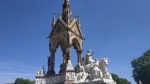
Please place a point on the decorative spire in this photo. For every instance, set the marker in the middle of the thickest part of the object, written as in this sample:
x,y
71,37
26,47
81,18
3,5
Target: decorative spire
x,y
54,21
78,20
66,13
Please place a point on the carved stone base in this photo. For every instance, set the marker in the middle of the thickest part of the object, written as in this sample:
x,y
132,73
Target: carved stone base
x,y
64,79
97,82
70,77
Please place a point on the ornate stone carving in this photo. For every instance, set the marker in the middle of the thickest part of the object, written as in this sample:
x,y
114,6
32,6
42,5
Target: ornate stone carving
x,y
69,66
93,72
41,73
96,72
70,76
103,66
96,69
50,80
65,33
88,58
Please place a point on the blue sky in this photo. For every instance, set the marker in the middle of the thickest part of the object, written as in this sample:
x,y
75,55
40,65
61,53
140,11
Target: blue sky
x,y
116,29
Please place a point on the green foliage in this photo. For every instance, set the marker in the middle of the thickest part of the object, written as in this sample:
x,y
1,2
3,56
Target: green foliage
x,y
23,81
141,68
76,68
120,80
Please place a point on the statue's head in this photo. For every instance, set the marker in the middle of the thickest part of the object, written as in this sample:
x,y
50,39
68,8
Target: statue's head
x,y
89,51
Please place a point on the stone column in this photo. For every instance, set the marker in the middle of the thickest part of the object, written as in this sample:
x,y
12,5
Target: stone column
x,y
68,56
79,53
63,65
49,63
52,63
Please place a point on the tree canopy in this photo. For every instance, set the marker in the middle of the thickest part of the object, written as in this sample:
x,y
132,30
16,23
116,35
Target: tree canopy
x,y
141,68
120,80
23,81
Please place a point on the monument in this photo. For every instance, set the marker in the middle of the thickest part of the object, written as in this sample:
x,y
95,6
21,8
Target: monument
x,y
66,33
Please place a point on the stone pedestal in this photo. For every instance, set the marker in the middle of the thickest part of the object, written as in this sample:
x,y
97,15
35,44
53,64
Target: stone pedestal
x,y
67,77
70,73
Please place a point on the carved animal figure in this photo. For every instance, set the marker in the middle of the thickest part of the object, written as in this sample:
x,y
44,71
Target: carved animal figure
x,y
103,64
96,73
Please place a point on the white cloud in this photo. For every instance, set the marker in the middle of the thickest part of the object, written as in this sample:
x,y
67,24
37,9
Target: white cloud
x,y
10,70
16,66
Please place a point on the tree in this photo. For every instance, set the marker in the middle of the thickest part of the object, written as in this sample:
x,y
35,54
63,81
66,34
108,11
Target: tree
x,y
76,68
120,80
141,68
23,81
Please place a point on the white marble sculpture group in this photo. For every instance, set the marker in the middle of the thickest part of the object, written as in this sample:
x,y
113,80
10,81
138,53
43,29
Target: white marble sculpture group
x,y
91,71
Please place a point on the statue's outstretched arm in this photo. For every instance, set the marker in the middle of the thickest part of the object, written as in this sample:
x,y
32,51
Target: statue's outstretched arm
x,y
92,53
